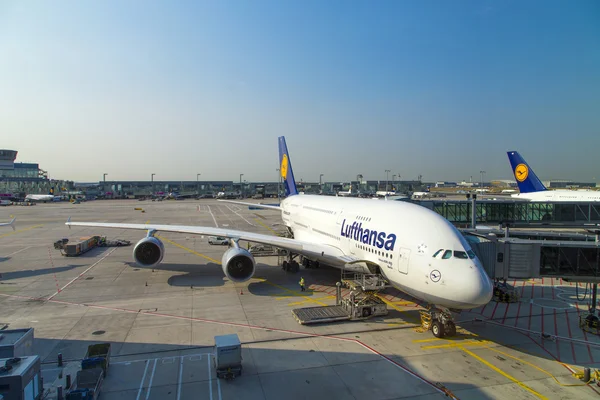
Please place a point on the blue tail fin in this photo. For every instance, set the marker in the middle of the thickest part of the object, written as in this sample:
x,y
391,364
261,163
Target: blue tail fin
x,y
285,168
526,179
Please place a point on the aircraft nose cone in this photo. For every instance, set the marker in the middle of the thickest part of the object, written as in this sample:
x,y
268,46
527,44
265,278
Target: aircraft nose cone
x,y
483,290
479,291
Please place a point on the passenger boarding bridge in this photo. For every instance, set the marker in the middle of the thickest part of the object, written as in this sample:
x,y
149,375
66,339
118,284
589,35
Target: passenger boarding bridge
x,y
499,211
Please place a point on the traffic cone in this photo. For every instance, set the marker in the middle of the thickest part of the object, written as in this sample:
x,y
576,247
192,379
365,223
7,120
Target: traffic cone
x,y
241,291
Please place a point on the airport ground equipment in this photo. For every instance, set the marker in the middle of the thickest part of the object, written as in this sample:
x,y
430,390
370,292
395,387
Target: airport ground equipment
x,y
73,249
265,250
228,356
94,368
590,322
87,385
20,377
361,303
97,355
504,292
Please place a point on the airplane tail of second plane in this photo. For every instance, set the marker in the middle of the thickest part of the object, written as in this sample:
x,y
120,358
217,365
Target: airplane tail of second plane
x,y
285,169
527,180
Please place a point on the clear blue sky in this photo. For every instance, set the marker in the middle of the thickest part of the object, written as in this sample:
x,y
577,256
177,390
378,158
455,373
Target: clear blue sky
x,y
438,88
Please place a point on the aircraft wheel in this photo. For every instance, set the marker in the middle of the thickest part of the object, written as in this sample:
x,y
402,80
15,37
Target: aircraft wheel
x,y
437,329
451,329
295,266
285,265
305,262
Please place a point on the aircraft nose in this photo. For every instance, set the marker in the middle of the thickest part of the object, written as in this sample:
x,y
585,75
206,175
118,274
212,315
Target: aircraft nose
x,y
481,291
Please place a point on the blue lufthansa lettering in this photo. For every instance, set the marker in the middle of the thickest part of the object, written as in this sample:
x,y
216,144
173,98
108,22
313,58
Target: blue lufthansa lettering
x,y
367,236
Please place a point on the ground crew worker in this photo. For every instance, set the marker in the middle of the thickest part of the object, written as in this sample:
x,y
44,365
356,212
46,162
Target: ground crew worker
x,y
302,284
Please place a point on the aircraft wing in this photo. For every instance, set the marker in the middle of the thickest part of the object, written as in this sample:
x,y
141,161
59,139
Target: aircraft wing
x,y
252,204
11,223
294,245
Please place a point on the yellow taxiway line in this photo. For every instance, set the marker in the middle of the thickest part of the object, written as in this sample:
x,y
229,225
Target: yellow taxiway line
x,y
395,307
20,230
265,226
498,370
293,292
189,250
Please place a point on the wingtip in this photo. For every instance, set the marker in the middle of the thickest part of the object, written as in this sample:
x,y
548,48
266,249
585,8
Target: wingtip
x,y
68,223
12,223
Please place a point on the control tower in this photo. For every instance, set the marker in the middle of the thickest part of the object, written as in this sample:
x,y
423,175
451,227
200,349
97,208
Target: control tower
x,y
7,159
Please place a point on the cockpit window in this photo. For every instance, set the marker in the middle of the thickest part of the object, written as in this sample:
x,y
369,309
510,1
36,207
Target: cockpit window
x,y
460,254
471,254
447,255
437,252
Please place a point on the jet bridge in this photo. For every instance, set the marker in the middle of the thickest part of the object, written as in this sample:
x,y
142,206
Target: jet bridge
x,y
517,258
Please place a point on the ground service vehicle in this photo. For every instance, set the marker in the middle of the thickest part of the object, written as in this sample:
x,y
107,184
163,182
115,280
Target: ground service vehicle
x,y
228,356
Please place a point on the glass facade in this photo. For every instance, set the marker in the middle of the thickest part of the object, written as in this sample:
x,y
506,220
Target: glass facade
x,y
497,212
22,171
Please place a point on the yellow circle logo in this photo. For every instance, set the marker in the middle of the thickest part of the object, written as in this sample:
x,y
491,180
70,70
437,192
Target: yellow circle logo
x,y
521,172
284,166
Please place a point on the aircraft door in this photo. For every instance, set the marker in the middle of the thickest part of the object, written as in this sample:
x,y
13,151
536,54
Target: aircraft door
x,y
402,260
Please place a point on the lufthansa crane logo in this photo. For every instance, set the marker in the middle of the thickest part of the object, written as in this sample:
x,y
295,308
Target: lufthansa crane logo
x,y
521,172
435,275
284,166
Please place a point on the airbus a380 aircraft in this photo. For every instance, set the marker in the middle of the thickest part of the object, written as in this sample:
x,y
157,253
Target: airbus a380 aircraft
x,y
418,251
532,188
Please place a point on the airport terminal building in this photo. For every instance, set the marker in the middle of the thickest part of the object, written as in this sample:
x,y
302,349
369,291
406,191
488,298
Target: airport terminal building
x,y
18,179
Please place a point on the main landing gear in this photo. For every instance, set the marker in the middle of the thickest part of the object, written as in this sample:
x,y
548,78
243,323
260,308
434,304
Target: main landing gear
x,y
439,320
289,264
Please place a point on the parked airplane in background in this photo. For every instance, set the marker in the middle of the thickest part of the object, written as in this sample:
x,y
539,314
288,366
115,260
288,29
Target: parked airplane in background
x,y
531,187
414,248
41,197
11,223
347,194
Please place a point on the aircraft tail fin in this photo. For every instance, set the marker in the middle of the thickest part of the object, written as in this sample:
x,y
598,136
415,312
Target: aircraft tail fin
x,y
527,180
285,169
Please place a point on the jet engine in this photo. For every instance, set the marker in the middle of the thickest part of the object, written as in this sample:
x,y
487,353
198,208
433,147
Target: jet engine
x,y
148,252
238,264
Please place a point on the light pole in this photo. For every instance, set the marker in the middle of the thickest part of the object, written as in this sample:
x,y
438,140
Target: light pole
x,y
278,184
197,184
387,178
393,181
241,188
104,183
321,183
482,173
152,183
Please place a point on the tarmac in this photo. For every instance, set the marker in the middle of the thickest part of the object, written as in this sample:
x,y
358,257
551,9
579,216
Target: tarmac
x,y
161,322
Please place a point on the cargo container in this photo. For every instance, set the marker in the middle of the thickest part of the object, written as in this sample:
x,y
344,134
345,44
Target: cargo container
x,y
98,355
87,385
228,356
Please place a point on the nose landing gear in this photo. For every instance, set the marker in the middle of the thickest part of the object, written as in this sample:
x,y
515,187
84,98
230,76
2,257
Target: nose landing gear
x,y
439,320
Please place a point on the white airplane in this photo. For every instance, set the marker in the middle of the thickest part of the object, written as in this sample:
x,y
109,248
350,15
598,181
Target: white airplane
x,y
345,194
415,249
11,223
531,187
39,197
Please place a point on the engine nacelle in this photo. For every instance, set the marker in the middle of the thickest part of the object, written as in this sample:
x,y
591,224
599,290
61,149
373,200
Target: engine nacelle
x,y
238,264
148,252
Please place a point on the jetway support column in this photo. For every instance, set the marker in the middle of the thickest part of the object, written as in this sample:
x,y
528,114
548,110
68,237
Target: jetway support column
x,y
594,293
